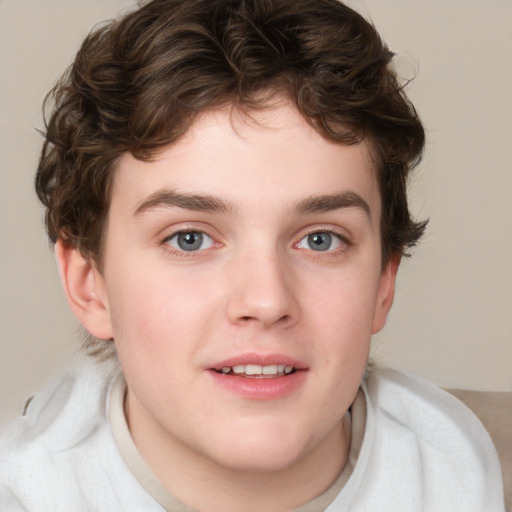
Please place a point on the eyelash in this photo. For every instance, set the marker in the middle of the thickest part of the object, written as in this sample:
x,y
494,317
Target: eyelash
x,y
344,241
182,252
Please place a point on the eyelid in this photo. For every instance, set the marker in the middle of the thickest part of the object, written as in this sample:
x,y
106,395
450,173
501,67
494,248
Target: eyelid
x,y
180,231
342,234
172,231
344,240
210,242
186,227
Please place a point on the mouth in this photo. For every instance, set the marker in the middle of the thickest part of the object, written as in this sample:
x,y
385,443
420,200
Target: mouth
x,y
256,371
250,380
260,376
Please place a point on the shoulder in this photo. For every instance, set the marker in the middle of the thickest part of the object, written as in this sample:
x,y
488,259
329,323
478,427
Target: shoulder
x,y
438,439
431,414
423,450
50,417
42,452
420,404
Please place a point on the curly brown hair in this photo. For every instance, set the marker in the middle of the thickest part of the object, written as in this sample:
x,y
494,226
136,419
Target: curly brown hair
x,y
138,83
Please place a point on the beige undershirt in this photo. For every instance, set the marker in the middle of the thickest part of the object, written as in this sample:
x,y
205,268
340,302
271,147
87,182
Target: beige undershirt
x,y
142,472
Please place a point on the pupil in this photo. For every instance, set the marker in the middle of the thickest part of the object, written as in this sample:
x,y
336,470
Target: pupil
x,y
190,241
320,241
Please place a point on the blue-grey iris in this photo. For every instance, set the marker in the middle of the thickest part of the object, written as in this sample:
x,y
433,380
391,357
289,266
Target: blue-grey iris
x,y
190,241
320,241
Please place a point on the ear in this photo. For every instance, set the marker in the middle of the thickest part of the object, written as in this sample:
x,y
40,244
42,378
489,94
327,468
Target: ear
x,y
85,290
385,293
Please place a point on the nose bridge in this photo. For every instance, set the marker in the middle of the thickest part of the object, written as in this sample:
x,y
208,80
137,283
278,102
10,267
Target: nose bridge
x,y
263,287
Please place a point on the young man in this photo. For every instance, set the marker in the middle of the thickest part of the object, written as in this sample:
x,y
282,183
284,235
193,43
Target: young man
x,y
225,189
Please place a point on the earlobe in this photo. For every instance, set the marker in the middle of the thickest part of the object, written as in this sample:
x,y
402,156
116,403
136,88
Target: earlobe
x,y
85,290
385,294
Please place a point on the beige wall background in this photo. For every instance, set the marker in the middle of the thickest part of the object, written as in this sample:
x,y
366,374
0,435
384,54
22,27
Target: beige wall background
x,y
452,319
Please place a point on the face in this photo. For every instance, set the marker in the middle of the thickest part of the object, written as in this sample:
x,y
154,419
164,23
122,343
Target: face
x,y
242,281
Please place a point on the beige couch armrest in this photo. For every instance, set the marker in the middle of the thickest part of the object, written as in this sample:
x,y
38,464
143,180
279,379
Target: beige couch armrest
x,y
494,409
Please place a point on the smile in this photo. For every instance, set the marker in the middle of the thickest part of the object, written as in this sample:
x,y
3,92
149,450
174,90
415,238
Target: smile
x,y
256,376
258,371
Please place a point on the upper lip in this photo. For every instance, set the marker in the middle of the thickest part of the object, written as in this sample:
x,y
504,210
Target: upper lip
x,y
259,359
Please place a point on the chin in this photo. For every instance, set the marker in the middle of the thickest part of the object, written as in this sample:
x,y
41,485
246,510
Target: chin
x,y
256,462
261,450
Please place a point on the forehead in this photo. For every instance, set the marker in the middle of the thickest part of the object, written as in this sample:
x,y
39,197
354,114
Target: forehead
x,y
272,156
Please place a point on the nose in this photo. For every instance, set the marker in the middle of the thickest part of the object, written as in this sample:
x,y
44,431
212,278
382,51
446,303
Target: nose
x,y
263,291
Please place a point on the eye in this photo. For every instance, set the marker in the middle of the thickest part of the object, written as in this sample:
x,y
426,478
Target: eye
x,y
320,241
190,241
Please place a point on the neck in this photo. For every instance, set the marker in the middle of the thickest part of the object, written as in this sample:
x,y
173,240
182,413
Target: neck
x,y
204,484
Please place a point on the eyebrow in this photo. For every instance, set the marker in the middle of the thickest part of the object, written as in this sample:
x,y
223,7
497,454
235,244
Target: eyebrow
x,y
207,203
328,202
195,202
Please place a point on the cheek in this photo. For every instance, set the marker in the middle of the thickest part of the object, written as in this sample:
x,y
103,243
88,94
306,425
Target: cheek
x,y
153,336
345,303
153,313
342,315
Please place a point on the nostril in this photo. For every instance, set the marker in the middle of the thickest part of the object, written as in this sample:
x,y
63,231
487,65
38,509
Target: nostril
x,y
249,318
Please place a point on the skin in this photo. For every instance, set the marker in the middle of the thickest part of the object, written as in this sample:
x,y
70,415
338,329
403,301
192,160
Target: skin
x,y
258,285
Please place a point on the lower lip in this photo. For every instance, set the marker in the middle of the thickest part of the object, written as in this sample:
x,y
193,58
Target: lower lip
x,y
260,388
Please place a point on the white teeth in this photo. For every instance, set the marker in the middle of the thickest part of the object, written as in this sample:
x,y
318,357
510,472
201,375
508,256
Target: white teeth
x,y
253,369
256,369
270,370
